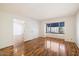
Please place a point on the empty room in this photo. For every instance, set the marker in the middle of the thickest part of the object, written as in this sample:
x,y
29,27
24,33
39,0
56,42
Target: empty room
x,y
39,29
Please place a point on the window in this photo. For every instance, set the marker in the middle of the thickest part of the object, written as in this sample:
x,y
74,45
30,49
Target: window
x,y
17,27
57,28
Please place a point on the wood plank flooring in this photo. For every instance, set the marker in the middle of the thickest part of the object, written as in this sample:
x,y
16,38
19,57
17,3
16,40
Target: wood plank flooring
x,y
8,51
43,46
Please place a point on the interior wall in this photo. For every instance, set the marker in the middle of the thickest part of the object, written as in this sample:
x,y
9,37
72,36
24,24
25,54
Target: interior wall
x,y
6,29
69,30
31,29
77,29
6,36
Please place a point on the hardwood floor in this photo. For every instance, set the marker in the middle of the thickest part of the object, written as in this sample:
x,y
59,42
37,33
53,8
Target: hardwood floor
x,y
43,47
72,49
8,51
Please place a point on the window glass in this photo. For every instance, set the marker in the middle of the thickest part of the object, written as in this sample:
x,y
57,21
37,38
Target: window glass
x,y
18,27
57,27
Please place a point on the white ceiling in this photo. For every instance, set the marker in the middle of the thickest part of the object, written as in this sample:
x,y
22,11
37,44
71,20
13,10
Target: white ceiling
x,y
41,11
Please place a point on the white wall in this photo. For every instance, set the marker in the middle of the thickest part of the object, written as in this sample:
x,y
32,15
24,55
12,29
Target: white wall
x,y
6,29
77,29
6,37
69,29
31,29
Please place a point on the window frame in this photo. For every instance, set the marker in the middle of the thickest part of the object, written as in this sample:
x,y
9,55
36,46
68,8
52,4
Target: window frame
x,y
60,26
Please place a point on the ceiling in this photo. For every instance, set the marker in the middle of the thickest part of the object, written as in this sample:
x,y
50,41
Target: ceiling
x,y
40,11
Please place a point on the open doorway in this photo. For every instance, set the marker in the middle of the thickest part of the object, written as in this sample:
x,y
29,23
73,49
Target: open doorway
x,y
18,31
